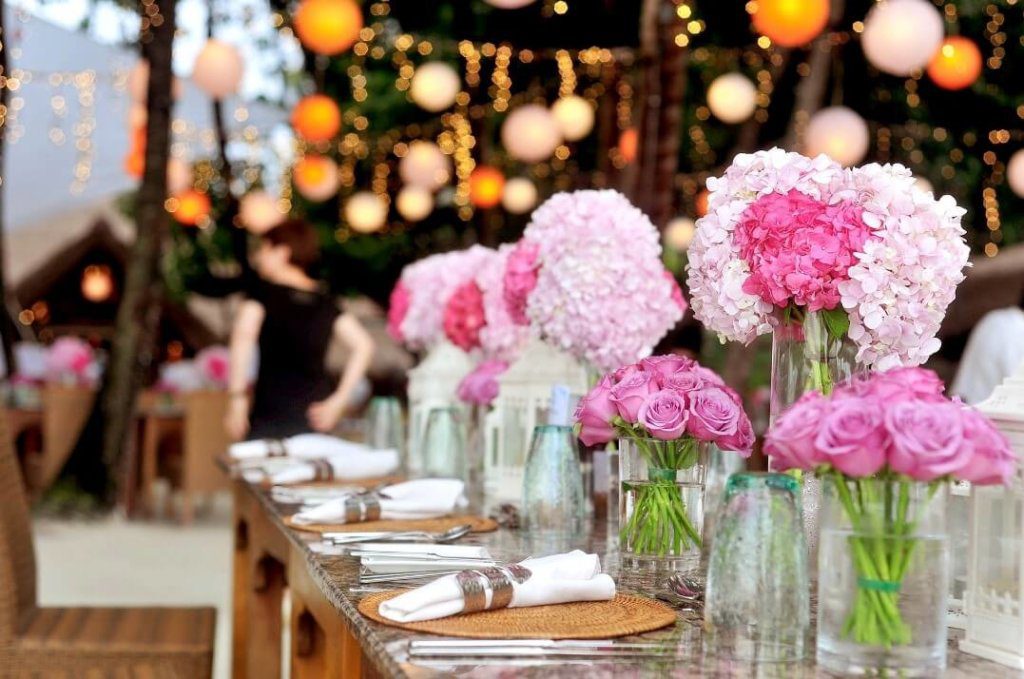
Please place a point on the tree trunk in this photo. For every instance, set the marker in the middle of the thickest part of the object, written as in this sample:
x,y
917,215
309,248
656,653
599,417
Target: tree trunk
x,y
810,92
142,288
8,332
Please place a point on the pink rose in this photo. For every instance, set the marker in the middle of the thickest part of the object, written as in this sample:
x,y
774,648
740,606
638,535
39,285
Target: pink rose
x,y
214,365
520,279
790,441
684,382
742,441
852,437
664,415
898,384
991,461
927,439
625,371
708,375
398,307
595,413
663,366
631,392
481,387
714,415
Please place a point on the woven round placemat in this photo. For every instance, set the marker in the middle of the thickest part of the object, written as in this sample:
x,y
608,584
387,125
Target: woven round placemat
x,y
479,524
340,483
622,616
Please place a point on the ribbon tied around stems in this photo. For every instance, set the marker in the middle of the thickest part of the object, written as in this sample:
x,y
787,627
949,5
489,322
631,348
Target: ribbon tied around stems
x,y
872,584
498,580
276,448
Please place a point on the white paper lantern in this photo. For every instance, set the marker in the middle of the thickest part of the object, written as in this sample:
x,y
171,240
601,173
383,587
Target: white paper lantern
x,y
425,165
901,36
366,212
138,83
839,133
434,86
519,195
1015,173
679,233
414,203
575,116
732,98
218,69
531,133
509,4
179,175
259,212
923,185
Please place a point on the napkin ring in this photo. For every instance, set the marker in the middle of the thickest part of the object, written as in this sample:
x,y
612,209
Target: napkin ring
x,y
322,470
276,448
362,508
475,583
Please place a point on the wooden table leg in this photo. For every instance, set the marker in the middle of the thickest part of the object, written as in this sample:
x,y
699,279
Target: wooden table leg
x,y
268,554
150,449
321,645
241,585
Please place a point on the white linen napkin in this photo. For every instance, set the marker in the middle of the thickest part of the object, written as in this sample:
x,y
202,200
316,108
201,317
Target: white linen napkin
x,y
420,499
352,466
556,579
303,446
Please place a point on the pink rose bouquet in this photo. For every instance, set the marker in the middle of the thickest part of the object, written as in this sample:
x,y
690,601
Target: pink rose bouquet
x,y
787,236
480,387
588,276
214,364
873,440
72,360
667,406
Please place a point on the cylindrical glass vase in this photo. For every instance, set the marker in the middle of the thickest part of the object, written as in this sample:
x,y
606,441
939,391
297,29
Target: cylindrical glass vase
x,y
661,507
882,577
444,444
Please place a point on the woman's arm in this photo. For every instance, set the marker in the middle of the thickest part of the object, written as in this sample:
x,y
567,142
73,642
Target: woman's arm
x,y
324,416
244,335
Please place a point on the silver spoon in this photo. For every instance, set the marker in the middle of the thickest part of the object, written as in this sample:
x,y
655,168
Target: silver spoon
x,y
687,588
449,535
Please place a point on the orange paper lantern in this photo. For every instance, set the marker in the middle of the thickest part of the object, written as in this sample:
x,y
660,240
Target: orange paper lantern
x,y
956,65
328,26
791,23
701,203
315,177
486,185
189,207
629,144
316,118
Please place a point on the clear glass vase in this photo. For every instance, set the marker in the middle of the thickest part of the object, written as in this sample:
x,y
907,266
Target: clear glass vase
x,y
385,424
553,498
444,444
661,507
882,577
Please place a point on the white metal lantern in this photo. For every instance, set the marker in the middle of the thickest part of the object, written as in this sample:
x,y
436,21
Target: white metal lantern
x,y
432,384
523,401
994,601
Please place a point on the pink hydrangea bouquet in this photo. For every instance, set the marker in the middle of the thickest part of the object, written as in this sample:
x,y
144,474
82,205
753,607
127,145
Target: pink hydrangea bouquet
x,y
786,237
667,407
214,364
72,360
588,276
885,444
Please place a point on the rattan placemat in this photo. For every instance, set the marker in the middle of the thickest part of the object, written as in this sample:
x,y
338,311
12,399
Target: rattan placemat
x,y
341,483
622,616
478,524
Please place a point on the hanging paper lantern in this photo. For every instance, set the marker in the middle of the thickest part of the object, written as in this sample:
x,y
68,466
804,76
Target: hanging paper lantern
x,y
316,118
179,175
189,207
956,65
732,98
218,69
434,86
97,283
700,203
509,4
315,177
486,185
366,212
839,133
414,203
138,84
791,23
629,144
923,185
1015,173
679,233
901,36
530,133
425,165
259,212
519,196
328,26
575,116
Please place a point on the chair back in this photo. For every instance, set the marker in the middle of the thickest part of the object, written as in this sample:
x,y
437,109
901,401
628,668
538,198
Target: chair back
x,y
204,439
17,555
65,412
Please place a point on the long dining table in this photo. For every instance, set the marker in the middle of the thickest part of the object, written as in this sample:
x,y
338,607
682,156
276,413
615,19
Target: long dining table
x,y
328,637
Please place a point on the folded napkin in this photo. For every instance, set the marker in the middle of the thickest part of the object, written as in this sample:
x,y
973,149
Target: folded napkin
x,y
303,446
351,466
421,499
556,579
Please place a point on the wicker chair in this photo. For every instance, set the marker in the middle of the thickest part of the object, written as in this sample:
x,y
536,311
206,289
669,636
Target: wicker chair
x,y
176,643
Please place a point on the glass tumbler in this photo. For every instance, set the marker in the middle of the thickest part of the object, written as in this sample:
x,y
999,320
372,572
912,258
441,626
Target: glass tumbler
x,y
757,602
385,426
443,446
553,498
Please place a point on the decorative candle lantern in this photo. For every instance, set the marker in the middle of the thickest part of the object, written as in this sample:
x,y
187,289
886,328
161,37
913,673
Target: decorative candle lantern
x,y
432,384
994,601
523,402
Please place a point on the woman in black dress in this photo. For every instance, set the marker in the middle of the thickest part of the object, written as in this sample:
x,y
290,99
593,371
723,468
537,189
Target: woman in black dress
x,y
292,319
